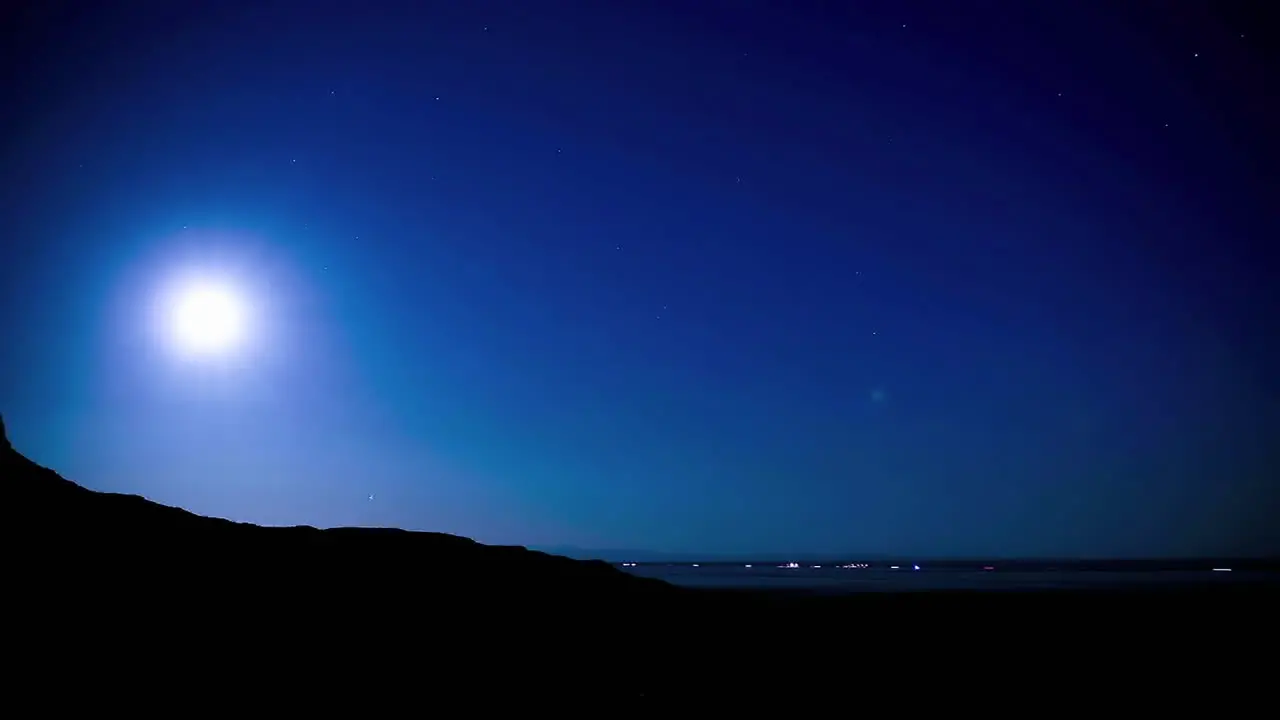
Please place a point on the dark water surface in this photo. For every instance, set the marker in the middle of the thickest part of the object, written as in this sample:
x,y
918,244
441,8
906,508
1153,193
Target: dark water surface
x,y
873,578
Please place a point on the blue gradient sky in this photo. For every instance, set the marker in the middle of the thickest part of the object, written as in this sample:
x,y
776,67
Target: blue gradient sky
x,y
890,277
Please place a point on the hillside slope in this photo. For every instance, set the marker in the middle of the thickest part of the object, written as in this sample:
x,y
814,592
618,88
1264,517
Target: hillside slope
x,y
74,535
117,594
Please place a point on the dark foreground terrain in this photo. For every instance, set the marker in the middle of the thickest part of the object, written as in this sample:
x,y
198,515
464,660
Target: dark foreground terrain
x,y
113,596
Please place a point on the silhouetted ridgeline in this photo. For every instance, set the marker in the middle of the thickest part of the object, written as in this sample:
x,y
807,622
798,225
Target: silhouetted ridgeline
x,y
101,582
108,537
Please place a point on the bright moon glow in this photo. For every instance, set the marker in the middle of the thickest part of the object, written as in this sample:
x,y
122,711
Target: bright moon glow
x,y
207,319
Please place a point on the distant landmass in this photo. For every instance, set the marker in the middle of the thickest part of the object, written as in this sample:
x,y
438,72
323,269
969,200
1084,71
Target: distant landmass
x,y
616,556
622,556
658,556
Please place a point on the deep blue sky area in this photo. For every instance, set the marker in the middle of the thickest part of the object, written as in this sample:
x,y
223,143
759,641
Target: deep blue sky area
x,y
943,278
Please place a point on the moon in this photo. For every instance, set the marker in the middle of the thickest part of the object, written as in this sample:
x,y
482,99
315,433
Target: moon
x,y
207,319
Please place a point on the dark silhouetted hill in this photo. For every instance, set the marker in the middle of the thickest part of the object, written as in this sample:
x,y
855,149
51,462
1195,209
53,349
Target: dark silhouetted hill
x,y
111,585
109,593
112,537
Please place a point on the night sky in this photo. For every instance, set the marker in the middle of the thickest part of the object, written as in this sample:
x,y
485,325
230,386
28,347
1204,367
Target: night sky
x,y
942,278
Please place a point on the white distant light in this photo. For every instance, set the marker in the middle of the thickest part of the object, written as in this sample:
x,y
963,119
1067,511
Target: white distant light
x,y
1222,569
